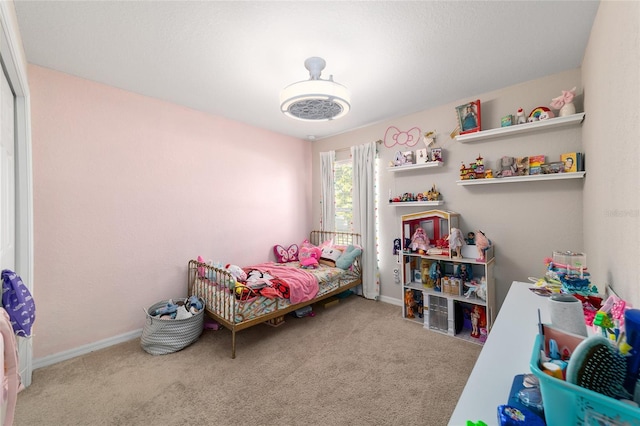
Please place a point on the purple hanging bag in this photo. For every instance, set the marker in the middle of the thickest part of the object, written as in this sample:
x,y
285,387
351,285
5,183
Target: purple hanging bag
x,y
18,302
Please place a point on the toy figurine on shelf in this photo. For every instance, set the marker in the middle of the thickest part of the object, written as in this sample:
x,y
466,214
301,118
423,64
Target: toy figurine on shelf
x,y
477,319
419,241
478,168
471,238
409,303
433,194
463,271
419,304
435,273
455,243
482,243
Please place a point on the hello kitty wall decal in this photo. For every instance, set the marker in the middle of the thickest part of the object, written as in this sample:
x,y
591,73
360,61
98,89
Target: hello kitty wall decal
x,y
394,136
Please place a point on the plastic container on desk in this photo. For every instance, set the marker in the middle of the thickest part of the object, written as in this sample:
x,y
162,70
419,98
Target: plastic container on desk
x,y
569,404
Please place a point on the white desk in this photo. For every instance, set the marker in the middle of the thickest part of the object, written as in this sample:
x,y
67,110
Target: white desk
x,y
506,353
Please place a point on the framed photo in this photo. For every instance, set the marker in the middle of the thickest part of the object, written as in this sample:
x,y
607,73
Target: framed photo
x,y
408,157
469,117
421,156
436,154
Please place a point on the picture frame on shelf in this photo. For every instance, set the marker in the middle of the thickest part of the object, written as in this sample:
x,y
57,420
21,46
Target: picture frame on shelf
x,y
469,117
436,154
422,156
408,157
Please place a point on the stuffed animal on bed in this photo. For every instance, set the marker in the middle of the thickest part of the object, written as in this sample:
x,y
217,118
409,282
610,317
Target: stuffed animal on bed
x,y
347,257
236,272
309,256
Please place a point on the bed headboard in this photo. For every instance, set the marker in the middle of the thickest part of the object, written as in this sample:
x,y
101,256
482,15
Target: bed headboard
x,y
340,238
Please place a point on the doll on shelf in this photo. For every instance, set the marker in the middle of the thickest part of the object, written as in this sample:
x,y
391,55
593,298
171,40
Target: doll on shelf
x,y
409,303
471,238
463,271
419,241
482,243
477,319
455,243
435,273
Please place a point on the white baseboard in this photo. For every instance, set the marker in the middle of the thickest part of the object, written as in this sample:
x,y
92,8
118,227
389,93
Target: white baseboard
x,y
85,349
391,300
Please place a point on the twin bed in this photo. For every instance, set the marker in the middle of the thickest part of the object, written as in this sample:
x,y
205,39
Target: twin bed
x,y
272,289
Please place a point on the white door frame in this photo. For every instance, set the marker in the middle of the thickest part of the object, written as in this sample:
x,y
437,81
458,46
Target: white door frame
x,y
14,64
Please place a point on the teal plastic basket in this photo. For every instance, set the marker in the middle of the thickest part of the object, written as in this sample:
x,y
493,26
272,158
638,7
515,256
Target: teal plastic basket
x,y
568,404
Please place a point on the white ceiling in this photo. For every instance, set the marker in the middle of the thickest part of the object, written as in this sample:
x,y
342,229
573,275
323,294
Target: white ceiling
x,y
233,58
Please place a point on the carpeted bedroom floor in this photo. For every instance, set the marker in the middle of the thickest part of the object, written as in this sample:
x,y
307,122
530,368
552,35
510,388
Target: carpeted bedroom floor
x,y
354,363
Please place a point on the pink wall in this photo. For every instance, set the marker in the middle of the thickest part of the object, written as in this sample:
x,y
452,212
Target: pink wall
x,y
127,189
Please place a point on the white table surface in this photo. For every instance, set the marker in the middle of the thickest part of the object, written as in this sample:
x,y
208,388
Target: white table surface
x,y
505,354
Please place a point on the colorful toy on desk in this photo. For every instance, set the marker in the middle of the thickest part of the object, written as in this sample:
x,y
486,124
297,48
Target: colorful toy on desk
x,y
603,321
512,416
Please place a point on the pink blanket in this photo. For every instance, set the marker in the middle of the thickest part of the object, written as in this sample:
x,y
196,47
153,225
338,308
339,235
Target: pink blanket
x,y
303,286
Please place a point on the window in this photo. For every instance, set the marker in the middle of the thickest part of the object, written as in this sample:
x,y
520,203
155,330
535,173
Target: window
x,y
343,184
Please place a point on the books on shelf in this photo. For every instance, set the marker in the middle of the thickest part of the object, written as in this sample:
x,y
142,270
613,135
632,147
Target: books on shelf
x,y
573,161
570,161
535,164
522,166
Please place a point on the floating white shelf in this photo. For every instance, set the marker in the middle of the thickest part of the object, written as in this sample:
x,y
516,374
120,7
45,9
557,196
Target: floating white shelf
x,y
417,203
416,166
570,120
551,176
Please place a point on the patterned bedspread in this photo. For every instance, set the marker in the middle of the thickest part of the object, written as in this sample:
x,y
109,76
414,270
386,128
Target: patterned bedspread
x,y
288,280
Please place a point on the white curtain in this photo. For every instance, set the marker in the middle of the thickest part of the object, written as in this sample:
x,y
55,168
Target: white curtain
x,y
364,215
328,207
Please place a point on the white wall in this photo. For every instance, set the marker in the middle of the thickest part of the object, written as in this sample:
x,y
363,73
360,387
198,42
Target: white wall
x,y
611,77
526,221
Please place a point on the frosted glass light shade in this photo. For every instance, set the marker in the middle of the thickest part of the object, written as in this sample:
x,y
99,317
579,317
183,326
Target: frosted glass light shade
x,y
315,100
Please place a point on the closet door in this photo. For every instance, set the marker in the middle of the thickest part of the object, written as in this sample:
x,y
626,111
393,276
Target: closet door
x,y
7,178
8,193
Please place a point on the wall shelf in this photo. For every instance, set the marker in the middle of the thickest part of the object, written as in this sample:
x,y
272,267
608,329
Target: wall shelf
x,y
417,203
570,120
552,176
416,166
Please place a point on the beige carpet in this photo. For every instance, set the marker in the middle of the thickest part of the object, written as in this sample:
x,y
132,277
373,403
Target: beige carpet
x,y
355,363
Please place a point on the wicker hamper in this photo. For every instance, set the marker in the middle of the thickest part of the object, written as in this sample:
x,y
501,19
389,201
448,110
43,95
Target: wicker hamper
x,y
165,336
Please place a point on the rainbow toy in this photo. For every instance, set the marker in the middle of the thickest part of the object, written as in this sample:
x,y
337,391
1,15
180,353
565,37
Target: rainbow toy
x,y
539,110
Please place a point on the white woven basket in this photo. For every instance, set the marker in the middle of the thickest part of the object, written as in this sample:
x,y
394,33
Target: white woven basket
x,y
165,336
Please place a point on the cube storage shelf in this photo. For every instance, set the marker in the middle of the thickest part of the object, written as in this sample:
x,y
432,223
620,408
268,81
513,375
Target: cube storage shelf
x,y
448,308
